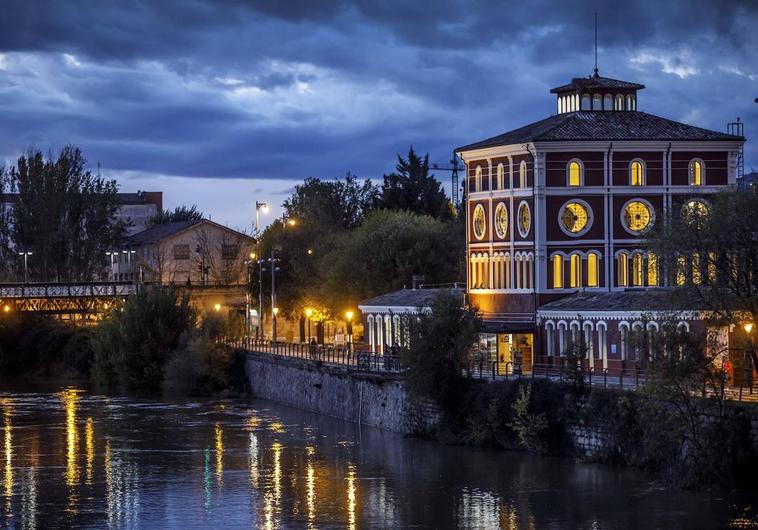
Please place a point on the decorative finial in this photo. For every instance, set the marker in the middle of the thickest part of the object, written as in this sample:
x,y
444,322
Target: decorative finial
x,y
596,74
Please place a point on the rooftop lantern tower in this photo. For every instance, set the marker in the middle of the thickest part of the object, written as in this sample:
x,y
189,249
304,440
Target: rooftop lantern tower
x,y
595,93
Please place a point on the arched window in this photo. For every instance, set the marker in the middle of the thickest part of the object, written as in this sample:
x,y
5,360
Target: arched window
x,y
557,271
379,340
619,102
500,176
629,102
589,343
529,271
637,176
638,270
370,324
622,269
593,272
602,343
597,102
697,172
586,102
485,271
681,270
561,338
549,338
576,271
388,330
474,279
652,270
697,275
608,102
522,175
575,175
478,179
624,332
396,326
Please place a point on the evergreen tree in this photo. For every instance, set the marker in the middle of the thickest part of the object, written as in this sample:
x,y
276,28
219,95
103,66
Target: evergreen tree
x,y
412,188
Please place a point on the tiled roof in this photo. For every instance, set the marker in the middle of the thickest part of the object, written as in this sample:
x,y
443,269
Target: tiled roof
x,y
609,125
628,300
409,298
158,232
595,81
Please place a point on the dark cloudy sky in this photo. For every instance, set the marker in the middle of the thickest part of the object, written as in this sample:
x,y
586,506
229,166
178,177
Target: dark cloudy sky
x,y
222,102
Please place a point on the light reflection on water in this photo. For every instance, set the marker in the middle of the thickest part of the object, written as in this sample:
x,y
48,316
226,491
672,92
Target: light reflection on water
x,y
72,459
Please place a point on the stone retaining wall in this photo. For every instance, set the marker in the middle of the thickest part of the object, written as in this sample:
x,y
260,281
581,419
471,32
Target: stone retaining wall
x,y
379,400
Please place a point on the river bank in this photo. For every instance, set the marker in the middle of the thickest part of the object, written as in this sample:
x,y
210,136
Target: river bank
x,y
77,459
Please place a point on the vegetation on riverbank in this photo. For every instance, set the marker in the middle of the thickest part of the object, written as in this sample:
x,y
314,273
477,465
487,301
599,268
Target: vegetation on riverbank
x,y
667,427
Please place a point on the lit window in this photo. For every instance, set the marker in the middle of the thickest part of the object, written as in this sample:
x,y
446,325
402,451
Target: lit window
x,y
478,222
696,173
576,270
636,173
524,219
623,270
681,270
637,270
575,218
637,216
557,272
697,276
501,220
652,270
500,176
593,279
574,173
522,174
695,212
711,267
478,179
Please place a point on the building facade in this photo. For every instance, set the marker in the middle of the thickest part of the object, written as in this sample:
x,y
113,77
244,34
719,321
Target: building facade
x,y
562,206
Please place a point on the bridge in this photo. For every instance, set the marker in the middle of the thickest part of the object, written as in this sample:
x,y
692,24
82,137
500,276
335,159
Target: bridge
x,y
84,299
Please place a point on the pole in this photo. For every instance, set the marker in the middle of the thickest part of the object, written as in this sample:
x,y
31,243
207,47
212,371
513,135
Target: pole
x,y
273,294
260,297
26,268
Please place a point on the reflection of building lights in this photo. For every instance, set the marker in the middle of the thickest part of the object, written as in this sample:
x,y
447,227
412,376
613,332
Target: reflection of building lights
x,y
219,453
351,497
89,444
70,398
8,450
253,449
311,488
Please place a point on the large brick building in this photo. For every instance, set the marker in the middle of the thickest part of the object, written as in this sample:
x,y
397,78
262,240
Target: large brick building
x,y
557,213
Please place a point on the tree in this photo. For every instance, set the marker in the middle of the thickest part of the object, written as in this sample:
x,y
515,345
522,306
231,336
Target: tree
x,y
386,251
710,251
64,215
332,203
412,188
440,344
180,213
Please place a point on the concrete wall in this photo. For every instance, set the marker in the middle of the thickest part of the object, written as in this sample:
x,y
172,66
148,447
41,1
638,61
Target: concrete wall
x,y
371,399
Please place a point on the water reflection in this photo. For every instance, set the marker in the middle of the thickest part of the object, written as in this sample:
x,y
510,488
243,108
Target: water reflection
x,y
234,464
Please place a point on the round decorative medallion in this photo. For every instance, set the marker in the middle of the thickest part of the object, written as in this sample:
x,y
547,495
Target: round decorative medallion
x,y
501,220
524,219
478,222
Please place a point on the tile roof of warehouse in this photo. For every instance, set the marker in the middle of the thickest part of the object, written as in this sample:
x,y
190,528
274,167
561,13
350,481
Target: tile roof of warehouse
x,y
628,300
159,232
409,298
610,125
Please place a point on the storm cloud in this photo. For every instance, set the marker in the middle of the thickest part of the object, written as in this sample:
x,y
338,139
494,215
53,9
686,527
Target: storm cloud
x,y
186,93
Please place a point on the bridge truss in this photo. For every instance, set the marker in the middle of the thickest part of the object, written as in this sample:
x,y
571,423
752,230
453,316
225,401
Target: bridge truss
x,y
64,299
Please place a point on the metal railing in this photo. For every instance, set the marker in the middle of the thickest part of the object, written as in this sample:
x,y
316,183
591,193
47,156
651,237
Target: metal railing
x,y
344,356
66,290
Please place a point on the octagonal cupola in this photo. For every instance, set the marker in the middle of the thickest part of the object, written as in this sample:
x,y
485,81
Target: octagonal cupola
x,y
596,93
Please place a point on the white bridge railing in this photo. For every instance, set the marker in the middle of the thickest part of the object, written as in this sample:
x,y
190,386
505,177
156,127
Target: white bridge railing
x,y
66,290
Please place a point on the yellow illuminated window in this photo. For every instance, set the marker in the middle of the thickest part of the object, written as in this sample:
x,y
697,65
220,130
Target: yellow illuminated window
x,y
637,176
681,270
637,216
637,270
478,222
576,270
500,176
575,173
592,271
623,270
557,272
712,267
696,173
652,270
697,275
575,217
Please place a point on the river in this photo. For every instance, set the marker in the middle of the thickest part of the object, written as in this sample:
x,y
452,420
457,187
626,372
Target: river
x,y
74,459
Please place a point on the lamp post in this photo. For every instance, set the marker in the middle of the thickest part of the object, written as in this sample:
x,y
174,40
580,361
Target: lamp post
x,y
309,314
129,253
248,295
274,312
26,255
349,315
272,263
259,206
749,353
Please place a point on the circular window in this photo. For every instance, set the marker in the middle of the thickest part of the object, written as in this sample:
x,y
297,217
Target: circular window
x,y
695,212
575,218
478,222
501,220
637,216
524,219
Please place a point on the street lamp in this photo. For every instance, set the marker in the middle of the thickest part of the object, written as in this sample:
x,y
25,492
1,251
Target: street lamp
x,y
349,315
259,207
26,264
309,314
750,354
